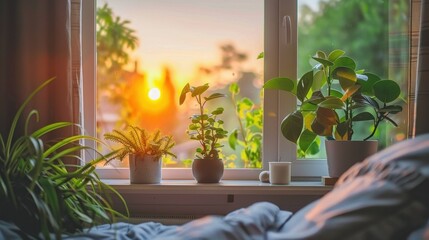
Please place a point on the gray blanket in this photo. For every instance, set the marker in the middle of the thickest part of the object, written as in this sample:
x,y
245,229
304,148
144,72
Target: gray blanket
x,y
254,222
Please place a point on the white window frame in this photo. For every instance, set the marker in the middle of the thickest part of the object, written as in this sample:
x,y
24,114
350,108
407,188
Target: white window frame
x,y
280,47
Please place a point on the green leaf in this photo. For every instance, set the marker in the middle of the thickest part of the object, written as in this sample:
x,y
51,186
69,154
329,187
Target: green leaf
x,y
291,126
199,90
363,116
336,93
306,106
232,140
346,76
260,55
386,90
284,84
234,89
306,139
332,103
304,85
319,80
193,127
392,109
214,96
218,111
391,121
185,90
345,62
323,61
320,54
367,85
334,55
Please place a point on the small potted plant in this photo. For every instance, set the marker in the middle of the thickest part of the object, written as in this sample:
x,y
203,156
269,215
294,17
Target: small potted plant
x,y
145,151
207,129
332,97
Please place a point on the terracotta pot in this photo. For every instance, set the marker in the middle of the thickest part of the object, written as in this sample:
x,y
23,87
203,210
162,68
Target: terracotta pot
x,y
207,170
344,154
145,168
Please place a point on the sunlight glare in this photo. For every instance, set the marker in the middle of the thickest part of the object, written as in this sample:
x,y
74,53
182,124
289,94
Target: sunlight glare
x,y
154,93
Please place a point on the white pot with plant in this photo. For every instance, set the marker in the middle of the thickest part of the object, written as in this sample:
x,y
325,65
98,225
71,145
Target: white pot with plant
x,y
333,96
144,150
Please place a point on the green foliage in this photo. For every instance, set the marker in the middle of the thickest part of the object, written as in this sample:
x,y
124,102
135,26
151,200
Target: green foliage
x,y
205,127
331,107
135,140
41,194
358,24
249,134
114,40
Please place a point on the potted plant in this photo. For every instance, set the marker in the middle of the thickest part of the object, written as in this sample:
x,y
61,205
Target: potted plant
x,y
207,129
332,97
39,193
144,150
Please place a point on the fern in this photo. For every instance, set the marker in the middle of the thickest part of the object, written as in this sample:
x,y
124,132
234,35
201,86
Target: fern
x,y
135,140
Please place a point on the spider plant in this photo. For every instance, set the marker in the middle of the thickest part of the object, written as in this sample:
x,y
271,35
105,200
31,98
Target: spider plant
x,y
38,191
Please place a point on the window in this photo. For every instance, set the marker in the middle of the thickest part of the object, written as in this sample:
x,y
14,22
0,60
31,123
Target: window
x,y
290,34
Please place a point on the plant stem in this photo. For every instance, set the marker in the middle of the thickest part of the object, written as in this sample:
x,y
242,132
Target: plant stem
x,y
380,118
198,97
329,82
240,124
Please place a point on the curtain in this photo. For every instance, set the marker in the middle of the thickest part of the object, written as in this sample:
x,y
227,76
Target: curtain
x,y
422,90
39,40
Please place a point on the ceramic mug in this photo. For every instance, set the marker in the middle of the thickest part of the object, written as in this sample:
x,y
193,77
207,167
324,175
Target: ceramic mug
x,y
280,172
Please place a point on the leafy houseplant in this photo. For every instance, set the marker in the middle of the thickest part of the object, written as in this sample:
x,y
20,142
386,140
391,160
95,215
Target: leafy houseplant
x,y
207,129
144,150
38,193
332,97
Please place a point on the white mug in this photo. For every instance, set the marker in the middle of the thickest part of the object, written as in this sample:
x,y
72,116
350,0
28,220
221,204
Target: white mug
x,y
280,172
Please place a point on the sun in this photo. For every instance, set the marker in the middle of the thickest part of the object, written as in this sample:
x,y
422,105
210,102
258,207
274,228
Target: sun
x,y
154,94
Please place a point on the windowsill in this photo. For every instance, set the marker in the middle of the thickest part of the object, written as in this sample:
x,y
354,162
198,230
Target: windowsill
x,y
188,199
224,187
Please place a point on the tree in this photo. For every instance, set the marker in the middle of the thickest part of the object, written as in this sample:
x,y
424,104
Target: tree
x,y
357,26
114,42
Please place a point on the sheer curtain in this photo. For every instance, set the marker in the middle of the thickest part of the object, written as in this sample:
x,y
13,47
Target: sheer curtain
x,y
422,89
40,40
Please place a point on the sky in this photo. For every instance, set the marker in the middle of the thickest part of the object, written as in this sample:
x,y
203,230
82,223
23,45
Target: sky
x,y
184,34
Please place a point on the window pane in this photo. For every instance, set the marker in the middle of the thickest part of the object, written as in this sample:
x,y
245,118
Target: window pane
x,y
148,50
374,33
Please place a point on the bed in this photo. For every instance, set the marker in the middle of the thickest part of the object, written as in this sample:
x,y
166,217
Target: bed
x,y
384,197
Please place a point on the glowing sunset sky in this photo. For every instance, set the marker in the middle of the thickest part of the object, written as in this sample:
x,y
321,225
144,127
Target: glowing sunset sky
x,y
184,34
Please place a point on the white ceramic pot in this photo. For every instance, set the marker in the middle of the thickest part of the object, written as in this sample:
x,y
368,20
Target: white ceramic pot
x,y
145,169
341,155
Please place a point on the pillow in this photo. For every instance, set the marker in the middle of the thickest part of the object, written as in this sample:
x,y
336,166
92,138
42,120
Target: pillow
x,y
384,197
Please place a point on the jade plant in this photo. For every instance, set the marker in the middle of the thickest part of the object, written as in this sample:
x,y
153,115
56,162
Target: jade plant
x,y
205,127
332,96
138,141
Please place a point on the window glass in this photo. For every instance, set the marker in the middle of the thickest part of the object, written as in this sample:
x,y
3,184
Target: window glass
x,y
148,50
375,34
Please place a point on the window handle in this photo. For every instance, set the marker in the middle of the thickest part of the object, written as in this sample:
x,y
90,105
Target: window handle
x,y
287,28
